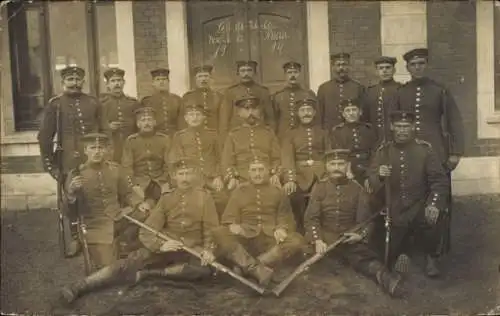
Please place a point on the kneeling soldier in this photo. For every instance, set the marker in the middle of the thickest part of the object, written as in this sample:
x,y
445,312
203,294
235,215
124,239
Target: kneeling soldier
x,y
258,217
188,216
336,205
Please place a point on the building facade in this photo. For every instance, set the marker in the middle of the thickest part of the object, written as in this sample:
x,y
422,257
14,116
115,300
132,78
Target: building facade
x,y
39,38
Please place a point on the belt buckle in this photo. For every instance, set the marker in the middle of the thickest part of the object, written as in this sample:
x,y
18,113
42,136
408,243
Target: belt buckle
x,y
310,162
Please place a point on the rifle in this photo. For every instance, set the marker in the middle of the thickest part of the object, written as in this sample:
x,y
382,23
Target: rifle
x,y
216,265
316,257
387,213
445,240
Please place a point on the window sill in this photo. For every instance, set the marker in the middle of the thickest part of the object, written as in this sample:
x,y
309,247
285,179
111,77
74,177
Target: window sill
x,y
28,137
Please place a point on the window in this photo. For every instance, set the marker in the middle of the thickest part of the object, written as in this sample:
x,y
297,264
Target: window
x,y
29,62
497,54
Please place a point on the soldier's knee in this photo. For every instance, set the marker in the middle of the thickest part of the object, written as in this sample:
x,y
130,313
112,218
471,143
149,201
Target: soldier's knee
x,y
294,241
221,233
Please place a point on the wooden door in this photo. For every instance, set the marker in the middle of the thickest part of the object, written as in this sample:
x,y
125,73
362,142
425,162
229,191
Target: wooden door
x,y
271,33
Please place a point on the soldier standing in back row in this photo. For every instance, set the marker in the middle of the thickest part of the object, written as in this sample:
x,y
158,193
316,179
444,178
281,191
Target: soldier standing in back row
x,y
78,114
204,95
166,105
117,111
229,119
433,104
285,100
332,92
379,99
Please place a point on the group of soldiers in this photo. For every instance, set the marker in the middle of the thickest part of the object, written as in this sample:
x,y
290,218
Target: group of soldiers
x,y
254,179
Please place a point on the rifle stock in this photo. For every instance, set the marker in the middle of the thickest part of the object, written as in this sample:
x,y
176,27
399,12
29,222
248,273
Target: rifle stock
x,y
216,265
387,215
316,257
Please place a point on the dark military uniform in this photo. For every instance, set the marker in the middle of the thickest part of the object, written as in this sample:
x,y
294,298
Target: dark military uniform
x,y
211,101
284,103
335,206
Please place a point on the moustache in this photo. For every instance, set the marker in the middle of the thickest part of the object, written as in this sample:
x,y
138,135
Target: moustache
x,y
293,78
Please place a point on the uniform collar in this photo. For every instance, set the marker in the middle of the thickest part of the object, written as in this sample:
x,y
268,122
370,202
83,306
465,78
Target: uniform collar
x,y
195,129
387,82
293,87
95,166
147,134
247,84
203,89
420,81
342,80
339,181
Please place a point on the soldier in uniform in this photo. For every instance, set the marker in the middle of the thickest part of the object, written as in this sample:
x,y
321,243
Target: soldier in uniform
x,y
247,141
419,191
145,162
337,204
167,105
380,98
204,95
433,104
117,111
258,221
78,114
188,216
285,100
302,156
246,71
356,136
102,186
332,92
200,144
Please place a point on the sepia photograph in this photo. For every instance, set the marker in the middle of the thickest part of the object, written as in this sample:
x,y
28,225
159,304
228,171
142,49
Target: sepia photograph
x,y
250,157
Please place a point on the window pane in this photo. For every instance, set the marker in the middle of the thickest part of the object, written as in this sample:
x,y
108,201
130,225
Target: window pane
x,y
497,55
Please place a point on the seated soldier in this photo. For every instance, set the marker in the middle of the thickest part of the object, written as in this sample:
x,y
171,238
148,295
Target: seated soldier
x,y
258,217
337,204
188,216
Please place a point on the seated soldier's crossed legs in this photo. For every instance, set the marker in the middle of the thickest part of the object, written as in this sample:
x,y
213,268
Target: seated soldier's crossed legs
x,y
102,255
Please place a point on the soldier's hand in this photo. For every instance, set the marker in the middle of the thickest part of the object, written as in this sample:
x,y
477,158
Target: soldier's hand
x,y
54,173
207,257
290,187
236,229
171,245
452,162
352,238
165,188
75,184
233,183
275,180
115,125
217,184
320,246
280,235
144,207
124,211
431,214
384,171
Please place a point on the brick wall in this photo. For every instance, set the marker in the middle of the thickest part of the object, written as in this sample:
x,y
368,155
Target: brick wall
x,y
355,28
452,46
150,41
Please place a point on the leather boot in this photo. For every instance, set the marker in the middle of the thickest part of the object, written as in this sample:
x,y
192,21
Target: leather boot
x,y
431,268
73,246
70,293
250,265
183,271
390,283
402,264
271,257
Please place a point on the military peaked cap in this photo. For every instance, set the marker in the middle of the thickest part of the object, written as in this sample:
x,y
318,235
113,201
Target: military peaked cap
x,y
257,159
145,110
250,63
308,101
417,52
203,68
72,70
247,101
385,60
110,72
160,72
339,56
402,116
194,106
183,163
95,137
292,65
337,154
349,102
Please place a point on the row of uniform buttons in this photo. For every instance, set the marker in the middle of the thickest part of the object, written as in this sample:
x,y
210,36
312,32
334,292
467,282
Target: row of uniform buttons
x,y
404,195
380,108
309,146
259,207
200,152
417,107
291,123
205,106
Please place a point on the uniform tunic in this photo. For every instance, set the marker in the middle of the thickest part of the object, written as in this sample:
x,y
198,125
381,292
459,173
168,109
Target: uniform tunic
x,y
285,107
330,94
118,108
167,108
244,144
379,100
211,101
428,100
79,114
145,159
229,118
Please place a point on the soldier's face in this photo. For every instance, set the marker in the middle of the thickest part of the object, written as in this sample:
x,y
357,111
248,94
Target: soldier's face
x,y
292,76
146,123
184,177
203,79
161,83
96,152
258,173
351,114
386,71
306,114
336,168
194,118
249,114
417,67
246,73
341,68
403,131
115,84
72,83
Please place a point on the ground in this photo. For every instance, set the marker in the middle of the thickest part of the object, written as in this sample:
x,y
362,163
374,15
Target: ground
x,y
32,273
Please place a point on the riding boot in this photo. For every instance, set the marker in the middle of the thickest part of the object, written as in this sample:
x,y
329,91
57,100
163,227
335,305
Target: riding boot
x,y
389,282
185,271
250,265
100,278
431,268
